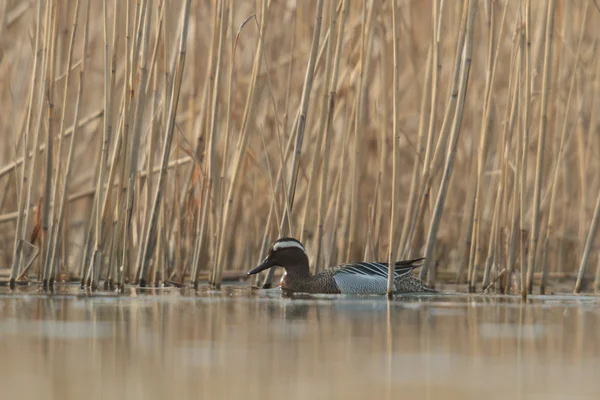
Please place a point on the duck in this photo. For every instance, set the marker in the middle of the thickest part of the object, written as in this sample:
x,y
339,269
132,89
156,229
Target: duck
x,y
355,278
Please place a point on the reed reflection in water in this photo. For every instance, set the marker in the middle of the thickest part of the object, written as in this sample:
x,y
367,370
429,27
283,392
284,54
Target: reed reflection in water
x,y
247,345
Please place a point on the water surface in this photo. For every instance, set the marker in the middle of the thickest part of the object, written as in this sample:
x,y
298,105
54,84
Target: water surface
x,y
242,344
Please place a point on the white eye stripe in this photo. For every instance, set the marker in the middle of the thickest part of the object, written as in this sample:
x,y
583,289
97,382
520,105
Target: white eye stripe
x,y
287,244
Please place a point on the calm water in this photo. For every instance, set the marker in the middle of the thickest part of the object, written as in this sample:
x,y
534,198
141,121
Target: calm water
x,y
238,344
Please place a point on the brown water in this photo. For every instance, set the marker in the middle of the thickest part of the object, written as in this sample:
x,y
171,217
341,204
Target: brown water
x,y
237,344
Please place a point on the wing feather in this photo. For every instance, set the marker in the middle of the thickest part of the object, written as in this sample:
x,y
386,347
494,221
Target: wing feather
x,y
379,269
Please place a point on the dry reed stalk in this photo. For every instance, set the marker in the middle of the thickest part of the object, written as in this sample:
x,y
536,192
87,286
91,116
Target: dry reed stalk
x,y
426,180
59,219
284,156
149,240
107,198
539,170
510,122
227,130
381,173
204,123
52,213
154,129
525,126
393,217
468,225
129,148
144,26
419,156
500,207
50,132
22,203
324,108
97,254
475,252
453,140
563,137
303,110
355,198
241,147
337,208
589,244
209,191
331,103
432,74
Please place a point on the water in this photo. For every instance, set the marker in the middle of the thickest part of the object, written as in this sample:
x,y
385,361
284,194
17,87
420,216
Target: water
x,y
238,344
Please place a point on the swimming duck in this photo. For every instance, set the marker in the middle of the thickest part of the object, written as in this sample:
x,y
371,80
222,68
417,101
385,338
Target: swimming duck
x,y
353,278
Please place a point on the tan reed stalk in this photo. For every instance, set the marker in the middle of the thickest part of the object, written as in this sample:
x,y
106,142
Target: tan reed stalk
x,y
87,249
474,251
52,213
318,156
491,256
50,132
559,157
355,199
303,110
227,129
597,276
453,140
331,103
145,26
107,198
500,207
391,248
418,161
337,208
154,128
96,259
382,151
220,184
432,74
205,124
589,244
539,170
583,152
22,203
468,225
131,128
284,156
593,116
149,240
483,135
210,192
241,147
525,126
417,217
510,122
59,220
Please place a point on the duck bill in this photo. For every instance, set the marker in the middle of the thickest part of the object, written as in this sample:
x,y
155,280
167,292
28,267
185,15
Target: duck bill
x,y
266,264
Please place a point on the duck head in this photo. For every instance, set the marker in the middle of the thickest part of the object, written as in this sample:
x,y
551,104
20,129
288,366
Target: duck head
x,y
288,253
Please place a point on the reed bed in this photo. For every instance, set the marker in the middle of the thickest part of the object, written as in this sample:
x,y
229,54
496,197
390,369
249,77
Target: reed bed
x,y
168,142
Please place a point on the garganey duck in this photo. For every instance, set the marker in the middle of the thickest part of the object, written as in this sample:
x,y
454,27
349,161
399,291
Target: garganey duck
x,y
353,278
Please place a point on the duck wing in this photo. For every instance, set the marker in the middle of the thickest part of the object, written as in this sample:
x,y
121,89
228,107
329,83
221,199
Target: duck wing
x,y
378,269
